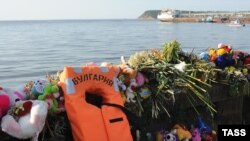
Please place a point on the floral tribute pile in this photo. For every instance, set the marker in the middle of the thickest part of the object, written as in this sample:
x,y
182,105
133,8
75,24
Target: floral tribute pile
x,y
149,86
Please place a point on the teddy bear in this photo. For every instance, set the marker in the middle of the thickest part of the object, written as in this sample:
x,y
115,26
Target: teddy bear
x,y
27,119
9,96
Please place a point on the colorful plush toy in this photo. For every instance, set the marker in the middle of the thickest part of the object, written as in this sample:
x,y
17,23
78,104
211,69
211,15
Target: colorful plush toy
x,y
130,80
121,85
160,136
171,137
127,71
166,136
207,134
182,132
226,47
31,116
205,56
4,105
130,93
223,60
8,97
50,95
213,55
202,126
38,87
196,136
144,92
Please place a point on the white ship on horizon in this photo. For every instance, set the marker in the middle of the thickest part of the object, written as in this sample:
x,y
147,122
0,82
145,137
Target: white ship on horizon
x,y
167,15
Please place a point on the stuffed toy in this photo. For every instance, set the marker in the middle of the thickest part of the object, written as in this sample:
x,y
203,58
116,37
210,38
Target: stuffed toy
x,y
145,92
166,136
242,57
182,132
202,126
130,91
213,55
140,79
209,136
205,56
9,96
121,85
161,135
171,137
223,60
127,71
226,47
4,105
38,87
196,136
27,120
129,80
50,95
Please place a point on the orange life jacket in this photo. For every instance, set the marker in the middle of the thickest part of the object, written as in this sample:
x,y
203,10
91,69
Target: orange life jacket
x,y
88,122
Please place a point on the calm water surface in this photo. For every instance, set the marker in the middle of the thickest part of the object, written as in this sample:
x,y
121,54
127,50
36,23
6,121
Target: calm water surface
x,y
30,49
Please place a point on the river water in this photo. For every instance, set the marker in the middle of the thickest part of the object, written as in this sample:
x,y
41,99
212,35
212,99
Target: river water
x,y
31,49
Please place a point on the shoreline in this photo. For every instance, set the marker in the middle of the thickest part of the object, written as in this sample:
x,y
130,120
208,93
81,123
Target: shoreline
x,y
197,20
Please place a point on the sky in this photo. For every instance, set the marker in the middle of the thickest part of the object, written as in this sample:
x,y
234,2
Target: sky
x,y
105,9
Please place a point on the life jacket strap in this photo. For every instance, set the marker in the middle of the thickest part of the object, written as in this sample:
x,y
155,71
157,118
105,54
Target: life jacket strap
x,y
134,120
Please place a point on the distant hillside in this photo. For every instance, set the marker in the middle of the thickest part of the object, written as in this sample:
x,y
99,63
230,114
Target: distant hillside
x,y
150,14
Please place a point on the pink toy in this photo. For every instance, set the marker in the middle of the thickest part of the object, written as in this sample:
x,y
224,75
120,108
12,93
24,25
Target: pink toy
x,y
8,97
4,105
140,80
30,123
196,136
